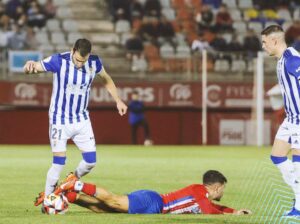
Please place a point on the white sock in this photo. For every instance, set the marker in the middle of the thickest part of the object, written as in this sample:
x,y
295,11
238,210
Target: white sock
x,y
289,175
297,193
84,168
288,172
297,169
52,178
78,186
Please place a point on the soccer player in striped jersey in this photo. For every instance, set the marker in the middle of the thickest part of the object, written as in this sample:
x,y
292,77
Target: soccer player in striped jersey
x,y
73,74
288,135
193,199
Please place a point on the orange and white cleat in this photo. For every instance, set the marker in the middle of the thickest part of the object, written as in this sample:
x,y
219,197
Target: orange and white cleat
x,y
39,199
64,187
69,177
67,184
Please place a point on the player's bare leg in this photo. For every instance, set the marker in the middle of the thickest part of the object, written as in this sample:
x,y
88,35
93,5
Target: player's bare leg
x,y
280,148
119,203
93,204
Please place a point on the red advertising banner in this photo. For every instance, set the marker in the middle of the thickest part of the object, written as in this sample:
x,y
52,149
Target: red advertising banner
x,y
220,95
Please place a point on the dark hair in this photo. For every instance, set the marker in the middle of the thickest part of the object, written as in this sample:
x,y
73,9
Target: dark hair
x,y
213,176
134,92
84,47
271,29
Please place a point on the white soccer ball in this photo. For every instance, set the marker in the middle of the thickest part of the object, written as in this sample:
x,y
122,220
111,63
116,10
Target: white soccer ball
x,y
56,204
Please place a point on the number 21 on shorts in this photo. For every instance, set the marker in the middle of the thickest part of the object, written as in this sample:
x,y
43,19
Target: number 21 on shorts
x,y
56,133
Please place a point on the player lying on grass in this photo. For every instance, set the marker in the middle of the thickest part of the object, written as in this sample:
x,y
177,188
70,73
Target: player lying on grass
x,y
196,198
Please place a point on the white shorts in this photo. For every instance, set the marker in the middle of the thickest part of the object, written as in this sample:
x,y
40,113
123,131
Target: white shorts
x,y
81,133
289,133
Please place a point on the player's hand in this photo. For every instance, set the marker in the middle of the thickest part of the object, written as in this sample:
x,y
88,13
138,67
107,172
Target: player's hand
x,y
243,212
122,108
29,67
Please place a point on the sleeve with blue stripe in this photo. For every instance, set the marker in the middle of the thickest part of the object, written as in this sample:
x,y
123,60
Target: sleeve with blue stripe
x,y
293,66
52,63
98,65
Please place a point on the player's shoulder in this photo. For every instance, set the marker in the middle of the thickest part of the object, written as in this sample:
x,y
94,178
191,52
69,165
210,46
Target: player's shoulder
x,y
65,55
94,57
196,186
198,190
291,53
292,58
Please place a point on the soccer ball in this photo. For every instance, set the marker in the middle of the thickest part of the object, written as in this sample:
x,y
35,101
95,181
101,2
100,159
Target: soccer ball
x,y
55,204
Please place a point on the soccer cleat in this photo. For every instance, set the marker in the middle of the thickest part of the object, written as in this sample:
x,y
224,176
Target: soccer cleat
x,y
66,186
293,213
67,183
69,177
39,199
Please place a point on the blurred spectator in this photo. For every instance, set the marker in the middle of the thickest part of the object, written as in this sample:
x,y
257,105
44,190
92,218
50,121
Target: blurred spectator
x,y
20,16
293,32
251,43
152,8
115,5
4,19
31,42
134,45
265,4
219,43
293,5
166,31
235,45
148,30
11,7
205,18
136,10
223,20
17,39
137,118
50,9
35,17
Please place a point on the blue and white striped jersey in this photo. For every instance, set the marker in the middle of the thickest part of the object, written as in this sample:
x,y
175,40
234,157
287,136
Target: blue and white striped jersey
x,y
288,74
71,87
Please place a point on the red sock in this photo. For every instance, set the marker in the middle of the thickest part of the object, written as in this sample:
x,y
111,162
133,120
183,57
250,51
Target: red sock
x,y
71,196
89,189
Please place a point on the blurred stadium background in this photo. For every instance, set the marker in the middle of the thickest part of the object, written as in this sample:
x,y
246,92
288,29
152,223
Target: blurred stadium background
x,y
154,47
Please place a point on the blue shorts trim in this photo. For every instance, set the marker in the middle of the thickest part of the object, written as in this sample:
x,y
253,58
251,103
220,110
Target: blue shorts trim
x,y
145,202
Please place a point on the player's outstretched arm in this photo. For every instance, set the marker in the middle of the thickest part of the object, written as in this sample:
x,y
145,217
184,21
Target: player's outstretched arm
x,y
112,89
31,67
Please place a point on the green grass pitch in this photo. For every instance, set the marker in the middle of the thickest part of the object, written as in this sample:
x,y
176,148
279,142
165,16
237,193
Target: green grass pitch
x,y
253,182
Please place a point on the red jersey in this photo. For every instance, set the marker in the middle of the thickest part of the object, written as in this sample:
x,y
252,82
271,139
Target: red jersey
x,y
191,199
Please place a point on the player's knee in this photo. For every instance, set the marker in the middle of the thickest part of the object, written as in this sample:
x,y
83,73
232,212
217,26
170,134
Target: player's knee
x,y
90,158
278,159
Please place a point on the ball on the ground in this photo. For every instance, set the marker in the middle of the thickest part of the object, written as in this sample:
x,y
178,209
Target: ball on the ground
x,y
56,204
